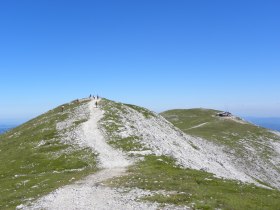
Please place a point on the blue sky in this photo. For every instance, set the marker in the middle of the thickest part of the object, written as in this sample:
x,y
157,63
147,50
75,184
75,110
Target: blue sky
x,y
159,54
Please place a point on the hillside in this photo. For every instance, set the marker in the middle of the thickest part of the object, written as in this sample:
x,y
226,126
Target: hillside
x,y
252,149
37,157
121,156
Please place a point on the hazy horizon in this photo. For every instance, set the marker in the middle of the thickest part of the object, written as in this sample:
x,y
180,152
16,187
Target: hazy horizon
x,y
252,118
266,122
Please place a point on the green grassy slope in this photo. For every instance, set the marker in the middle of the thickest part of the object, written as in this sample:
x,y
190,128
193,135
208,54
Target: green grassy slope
x,y
220,130
216,128
34,161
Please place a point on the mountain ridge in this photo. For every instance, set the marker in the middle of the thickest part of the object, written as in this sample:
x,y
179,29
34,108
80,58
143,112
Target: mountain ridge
x,y
153,147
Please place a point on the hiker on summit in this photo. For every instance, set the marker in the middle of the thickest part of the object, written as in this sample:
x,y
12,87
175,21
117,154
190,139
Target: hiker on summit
x,y
96,104
90,96
62,108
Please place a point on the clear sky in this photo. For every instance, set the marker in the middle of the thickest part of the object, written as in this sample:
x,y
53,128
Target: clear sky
x,y
160,54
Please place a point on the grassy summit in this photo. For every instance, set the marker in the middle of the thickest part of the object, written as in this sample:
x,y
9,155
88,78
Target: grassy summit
x,y
205,123
228,131
252,148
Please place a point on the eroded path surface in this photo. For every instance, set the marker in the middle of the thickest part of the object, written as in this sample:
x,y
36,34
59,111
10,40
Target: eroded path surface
x,y
90,193
108,156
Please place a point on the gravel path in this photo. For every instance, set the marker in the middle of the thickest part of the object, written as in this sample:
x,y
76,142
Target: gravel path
x,y
107,155
90,193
